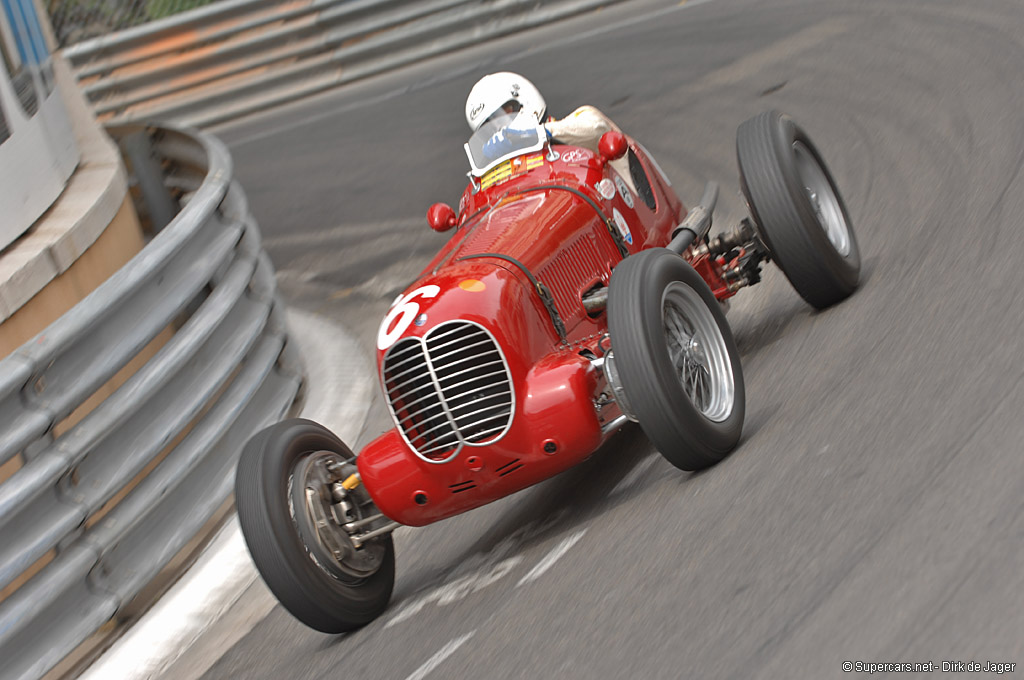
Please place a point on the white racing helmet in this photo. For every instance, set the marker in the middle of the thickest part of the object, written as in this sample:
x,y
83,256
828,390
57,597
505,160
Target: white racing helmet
x,y
492,92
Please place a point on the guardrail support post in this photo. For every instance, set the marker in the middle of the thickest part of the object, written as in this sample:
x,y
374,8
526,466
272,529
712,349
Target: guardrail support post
x,y
160,205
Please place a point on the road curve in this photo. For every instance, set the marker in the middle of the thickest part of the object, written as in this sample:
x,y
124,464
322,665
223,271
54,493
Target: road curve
x,y
873,511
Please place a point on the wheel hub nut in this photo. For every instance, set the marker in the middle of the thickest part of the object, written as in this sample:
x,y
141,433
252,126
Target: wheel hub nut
x,y
694,351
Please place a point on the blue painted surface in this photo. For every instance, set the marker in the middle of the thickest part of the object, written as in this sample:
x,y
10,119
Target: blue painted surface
x,y
28,34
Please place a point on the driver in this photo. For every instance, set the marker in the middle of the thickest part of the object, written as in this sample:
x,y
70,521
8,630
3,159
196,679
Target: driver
x,y
506,93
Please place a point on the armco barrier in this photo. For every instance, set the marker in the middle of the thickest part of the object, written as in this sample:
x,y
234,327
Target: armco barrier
x,y
239,56
74,20
117,495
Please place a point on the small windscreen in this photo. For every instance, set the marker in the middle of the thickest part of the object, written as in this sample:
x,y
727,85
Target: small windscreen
x,y
503,137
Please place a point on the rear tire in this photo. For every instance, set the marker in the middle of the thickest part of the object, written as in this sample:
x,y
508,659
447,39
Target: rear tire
x,y
327,594
675,358
797,208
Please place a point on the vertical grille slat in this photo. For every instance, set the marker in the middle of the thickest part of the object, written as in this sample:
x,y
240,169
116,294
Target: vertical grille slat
x,y
449,389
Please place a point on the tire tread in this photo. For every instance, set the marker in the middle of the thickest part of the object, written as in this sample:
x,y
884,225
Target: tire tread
x,y
306,591
677,429
782,211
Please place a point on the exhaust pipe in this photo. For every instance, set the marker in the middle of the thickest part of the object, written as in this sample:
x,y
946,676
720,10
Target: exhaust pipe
x,y
697,223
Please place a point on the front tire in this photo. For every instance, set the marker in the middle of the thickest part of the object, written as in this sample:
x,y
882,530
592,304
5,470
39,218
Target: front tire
x,y
310,566
675,358
797,208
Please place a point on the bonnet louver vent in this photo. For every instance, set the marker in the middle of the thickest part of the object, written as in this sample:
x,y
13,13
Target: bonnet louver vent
x,y
509,468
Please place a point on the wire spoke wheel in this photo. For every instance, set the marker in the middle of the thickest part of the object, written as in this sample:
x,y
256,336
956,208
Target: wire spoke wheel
x,y
675,359
702,359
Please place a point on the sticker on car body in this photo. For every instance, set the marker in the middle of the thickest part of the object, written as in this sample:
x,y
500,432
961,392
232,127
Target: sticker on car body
x,y
472,285
509,169
606,188
402,314
627,197
620,222
576,156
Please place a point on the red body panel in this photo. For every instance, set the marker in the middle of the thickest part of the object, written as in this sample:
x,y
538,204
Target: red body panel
x,y
510,235
554,407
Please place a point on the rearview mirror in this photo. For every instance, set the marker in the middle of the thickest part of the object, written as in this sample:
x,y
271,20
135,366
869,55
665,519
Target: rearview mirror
x,y
441,217
612,146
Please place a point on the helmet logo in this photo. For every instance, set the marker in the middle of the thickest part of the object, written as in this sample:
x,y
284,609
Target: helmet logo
x,y
476,110
515,90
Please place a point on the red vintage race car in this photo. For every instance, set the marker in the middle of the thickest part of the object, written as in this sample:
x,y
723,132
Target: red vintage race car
x,y
569,300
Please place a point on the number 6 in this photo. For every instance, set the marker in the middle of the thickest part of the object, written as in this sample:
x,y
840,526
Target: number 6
x,y
405,310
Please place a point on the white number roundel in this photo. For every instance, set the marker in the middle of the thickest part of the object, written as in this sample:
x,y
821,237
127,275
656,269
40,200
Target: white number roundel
x,y
405,310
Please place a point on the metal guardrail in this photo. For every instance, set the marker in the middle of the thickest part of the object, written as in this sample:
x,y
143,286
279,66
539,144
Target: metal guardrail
x,y
239,56
76,20
170,434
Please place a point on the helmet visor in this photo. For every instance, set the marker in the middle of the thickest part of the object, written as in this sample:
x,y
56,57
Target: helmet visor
x,y
510,107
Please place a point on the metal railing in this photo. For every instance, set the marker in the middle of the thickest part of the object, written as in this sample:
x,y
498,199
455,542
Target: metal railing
x,y
77,20
113,498
239,56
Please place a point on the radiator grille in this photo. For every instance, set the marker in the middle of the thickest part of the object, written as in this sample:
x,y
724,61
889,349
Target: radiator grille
x,y
448,390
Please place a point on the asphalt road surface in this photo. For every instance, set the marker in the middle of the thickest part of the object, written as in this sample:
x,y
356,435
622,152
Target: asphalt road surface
x,y
874,511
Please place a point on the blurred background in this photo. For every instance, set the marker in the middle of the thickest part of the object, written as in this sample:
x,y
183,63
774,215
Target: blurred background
x,y
76,20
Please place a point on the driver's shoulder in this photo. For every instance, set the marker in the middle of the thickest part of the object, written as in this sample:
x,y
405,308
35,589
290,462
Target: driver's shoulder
x,y
585,116
586,110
